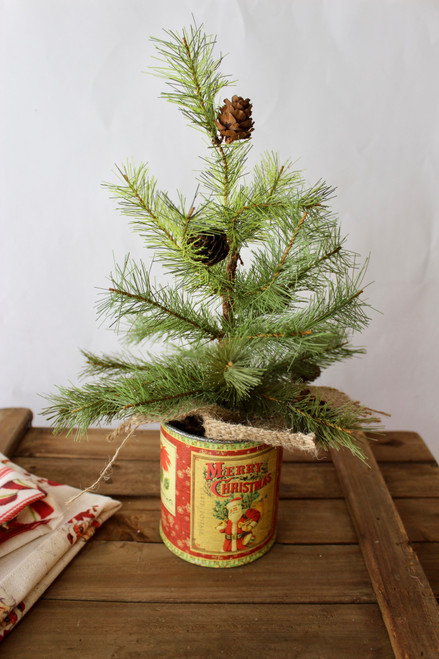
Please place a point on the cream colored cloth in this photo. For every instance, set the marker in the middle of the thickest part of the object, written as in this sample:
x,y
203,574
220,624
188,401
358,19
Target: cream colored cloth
x,y
42,539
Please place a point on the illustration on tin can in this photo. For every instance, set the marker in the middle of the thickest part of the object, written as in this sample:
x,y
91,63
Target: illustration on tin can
x,y
231,495
219,500
239,525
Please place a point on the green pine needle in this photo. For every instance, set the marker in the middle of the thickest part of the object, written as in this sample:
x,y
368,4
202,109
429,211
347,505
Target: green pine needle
x,y
250,332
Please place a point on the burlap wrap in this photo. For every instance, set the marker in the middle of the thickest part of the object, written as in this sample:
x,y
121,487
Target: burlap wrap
x,y
224,425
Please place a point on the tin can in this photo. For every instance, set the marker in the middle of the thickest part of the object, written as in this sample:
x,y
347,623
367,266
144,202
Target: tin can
x,y
218,499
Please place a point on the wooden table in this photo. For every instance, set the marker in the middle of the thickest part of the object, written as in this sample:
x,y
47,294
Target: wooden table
x,y
319,593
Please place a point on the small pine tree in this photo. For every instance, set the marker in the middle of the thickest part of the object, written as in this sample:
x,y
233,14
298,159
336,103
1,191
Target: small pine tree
x,y
265,293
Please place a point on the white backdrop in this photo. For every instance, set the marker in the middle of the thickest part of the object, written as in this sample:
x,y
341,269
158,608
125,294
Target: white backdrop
x,y
348,86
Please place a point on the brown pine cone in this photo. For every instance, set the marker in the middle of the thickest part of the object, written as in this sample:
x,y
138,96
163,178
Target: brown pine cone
x,y
211,248
234,120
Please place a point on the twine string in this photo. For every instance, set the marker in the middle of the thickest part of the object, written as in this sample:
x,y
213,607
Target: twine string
x,y
223,425
106,472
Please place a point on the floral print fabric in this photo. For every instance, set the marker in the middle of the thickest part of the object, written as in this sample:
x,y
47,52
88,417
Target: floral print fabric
x,y
42,538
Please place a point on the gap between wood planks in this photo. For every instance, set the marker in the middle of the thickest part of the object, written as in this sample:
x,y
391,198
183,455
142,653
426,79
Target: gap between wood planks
x,y
404,594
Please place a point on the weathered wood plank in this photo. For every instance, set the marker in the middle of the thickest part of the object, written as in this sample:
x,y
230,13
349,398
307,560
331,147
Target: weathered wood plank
x,y
14,421
405,597
41,442
143,445
407,479
138,521
428,554
420,518
399,446
392,446
307,480
129,477
141,478
303,574
75,630
300,521
142,572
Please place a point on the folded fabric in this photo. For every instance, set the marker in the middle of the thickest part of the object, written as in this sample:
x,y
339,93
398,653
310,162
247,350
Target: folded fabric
x,y
16,493
27,507
43,537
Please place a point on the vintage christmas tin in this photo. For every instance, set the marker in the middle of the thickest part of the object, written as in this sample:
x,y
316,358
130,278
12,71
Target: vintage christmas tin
x,y
218,499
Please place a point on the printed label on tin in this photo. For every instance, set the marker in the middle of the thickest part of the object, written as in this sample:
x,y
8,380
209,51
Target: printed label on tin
x,y
168,469
235,497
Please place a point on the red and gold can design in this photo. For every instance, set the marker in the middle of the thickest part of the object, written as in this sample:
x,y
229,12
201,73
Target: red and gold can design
x,y
219,499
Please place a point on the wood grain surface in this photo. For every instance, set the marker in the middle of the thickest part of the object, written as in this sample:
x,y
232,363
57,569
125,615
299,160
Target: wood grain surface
x,y
14,421
301,521
404,594
299,480
311,596
101,630
391,446
151,573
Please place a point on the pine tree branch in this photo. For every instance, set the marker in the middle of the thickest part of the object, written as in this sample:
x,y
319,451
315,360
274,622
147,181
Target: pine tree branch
x,y
256,357
107,363
212,177
192,73
214,134
163,399
233,259
287,251
338,435
234,255
276,182
166,310
146,207
280,335
227,298
301,274
321,421
188,218
247,208
327,256
337,307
